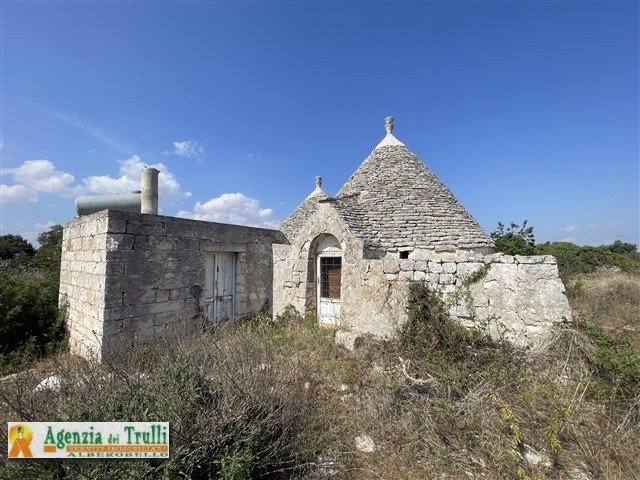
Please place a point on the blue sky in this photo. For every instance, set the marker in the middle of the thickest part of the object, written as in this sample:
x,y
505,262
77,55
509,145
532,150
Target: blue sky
x,y
524,110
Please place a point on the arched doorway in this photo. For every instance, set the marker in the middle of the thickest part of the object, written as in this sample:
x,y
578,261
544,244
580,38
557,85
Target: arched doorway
x,y
328,279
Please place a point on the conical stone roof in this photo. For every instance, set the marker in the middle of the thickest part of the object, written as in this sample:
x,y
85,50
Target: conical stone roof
x,y
394,201
405,205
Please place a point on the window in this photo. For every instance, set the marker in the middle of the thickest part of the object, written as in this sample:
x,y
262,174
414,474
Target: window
x,y
404,254
330,276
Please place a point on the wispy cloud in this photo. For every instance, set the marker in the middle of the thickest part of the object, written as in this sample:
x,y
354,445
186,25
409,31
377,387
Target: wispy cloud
x,y
570,228
568,239
187,149
95,132
49,223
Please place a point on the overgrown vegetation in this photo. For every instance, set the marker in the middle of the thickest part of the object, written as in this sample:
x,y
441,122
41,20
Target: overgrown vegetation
x,y
572,259
31,324
263,398
266,398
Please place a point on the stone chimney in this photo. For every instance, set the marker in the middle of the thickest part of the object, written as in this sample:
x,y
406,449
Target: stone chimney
x,y
149,186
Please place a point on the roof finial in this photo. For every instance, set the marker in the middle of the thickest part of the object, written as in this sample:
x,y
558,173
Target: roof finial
x,y
388,124
318,190
389,140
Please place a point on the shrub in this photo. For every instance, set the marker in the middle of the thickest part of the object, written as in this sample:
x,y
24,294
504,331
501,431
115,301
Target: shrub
x,y
616,361
429,326
514,239
31,324
573,259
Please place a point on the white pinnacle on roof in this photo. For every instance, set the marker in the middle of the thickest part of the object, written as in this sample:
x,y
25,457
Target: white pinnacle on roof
x,y
389,139
318,190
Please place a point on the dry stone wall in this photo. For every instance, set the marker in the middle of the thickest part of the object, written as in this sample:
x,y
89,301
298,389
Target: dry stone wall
x,y
521,296
83,279
151,275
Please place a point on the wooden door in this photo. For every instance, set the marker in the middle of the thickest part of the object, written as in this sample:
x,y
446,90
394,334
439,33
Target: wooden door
x,y
220,286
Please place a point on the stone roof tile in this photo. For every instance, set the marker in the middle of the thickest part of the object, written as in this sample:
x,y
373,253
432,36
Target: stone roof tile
x,y
396,201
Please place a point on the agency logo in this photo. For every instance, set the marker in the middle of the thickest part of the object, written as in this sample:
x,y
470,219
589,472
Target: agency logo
x,y
19,439
88,440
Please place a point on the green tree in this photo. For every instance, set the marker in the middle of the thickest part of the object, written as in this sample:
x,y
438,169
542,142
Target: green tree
x,y
48,255
514,239
14,245
30,321
623,248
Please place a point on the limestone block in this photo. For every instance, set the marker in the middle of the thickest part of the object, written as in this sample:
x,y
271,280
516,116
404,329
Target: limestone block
x,y
466,269
433,278
406,275
447,279
391,266
449,267
493,258
435,267
113,299
421,265
407,265
157,242
531,272
364,443
349,340
419,276
526,259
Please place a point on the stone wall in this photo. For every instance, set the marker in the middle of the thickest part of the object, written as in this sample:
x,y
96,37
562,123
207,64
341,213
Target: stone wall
x,y
523,294
83,279
150,274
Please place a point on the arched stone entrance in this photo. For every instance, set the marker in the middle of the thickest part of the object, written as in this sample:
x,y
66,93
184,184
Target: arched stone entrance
x,y
325,277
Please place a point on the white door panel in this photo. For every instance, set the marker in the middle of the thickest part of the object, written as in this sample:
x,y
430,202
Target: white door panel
x,y
328,282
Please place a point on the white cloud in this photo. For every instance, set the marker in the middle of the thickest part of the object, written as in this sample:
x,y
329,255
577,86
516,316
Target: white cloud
x,y
42,176
129,180
570,228
593,225
234,208
50,223
17,193
568,239
188,149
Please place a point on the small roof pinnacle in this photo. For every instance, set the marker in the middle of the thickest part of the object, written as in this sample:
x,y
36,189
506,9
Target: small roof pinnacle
x,y
389,139
388,124
318,190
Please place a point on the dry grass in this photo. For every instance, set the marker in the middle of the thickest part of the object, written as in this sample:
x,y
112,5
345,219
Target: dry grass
x,y
489,412
611,301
